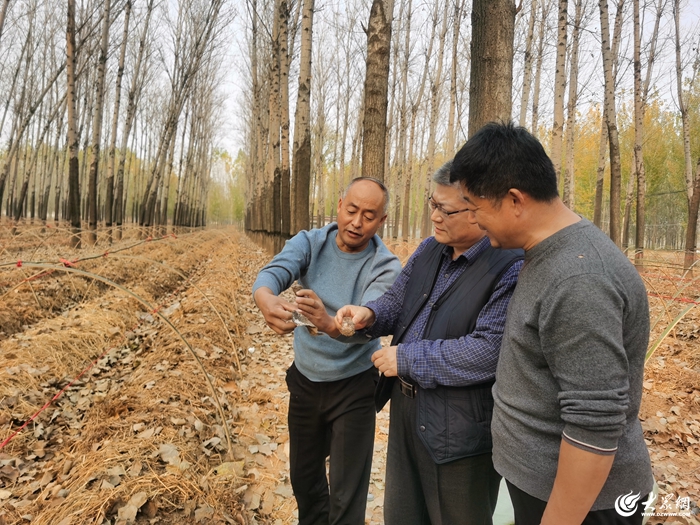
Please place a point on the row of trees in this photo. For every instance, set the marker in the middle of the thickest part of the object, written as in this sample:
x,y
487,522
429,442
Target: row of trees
x,y
616,112
110,110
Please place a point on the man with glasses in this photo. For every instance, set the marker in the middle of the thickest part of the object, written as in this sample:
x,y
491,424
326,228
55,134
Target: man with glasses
x,y
331,381
446,312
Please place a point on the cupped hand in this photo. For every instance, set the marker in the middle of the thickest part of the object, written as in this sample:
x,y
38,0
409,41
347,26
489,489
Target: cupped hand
x,y
362,317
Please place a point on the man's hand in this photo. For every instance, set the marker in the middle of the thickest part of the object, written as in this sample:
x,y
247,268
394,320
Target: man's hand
x,y
313,308
384,360
277,311
362,317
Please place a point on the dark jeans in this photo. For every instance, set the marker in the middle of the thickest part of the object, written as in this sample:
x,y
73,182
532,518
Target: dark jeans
x,y
529,511
421,492
333,418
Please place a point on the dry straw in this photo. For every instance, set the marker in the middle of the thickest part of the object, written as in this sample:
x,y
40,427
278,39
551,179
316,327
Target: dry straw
x,y
145,393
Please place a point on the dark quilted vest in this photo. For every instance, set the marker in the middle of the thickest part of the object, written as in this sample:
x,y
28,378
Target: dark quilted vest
x,y
452,422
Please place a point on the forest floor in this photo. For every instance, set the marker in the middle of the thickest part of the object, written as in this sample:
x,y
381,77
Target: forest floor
x,y
120,363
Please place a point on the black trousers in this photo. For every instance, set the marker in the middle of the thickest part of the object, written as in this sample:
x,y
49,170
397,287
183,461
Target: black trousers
x,y
333,418
529,511
419,491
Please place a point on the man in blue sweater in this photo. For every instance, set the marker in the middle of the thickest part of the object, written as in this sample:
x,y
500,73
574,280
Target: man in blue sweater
x,y
446,311
331,381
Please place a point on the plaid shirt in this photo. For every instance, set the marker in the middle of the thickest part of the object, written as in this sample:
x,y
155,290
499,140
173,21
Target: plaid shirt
x,y
452,362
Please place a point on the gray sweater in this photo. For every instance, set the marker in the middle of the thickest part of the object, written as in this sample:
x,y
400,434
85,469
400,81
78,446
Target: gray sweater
x,y
572,364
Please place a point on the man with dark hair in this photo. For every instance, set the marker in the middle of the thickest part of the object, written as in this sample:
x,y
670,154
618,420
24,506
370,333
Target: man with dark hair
x,y
446,312
331,381
566,433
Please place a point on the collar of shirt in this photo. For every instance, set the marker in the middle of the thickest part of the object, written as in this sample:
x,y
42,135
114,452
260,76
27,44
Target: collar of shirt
x,y
470,254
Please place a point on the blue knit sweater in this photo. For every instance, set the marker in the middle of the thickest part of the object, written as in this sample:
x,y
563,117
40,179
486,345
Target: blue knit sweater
x,y
338,278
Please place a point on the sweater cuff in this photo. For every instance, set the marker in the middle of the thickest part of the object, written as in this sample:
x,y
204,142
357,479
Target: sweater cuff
x,y
599,443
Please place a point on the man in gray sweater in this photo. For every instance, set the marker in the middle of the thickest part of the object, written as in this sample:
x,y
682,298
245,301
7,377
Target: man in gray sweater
x,y
566,433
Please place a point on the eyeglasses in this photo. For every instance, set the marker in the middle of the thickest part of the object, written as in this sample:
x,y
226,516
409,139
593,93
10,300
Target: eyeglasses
x,y
435,206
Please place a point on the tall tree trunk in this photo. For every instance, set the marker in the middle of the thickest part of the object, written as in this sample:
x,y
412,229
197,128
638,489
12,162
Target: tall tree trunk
x,y
59,183
274,160
629,194
600,172
559,90
301,157
319,161
451,115
285,182
435,89
691,230
570,176
638,138
640,97
527,68
491,76
132,97
403,175
611,122
97,125
376,88
692,183
109,193
163,222
682,105
538,66
73,165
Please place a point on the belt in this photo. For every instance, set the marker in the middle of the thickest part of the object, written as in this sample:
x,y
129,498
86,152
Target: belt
x,y
407,387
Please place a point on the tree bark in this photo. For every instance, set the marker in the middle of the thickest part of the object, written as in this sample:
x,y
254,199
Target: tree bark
x,y
97,125
491,77
435,89
559,90
403,175
132,98
611,122
691,230
538,67
301,157
451,115
73,164
641,94
527,68
376,88
109,193
570,175
285,182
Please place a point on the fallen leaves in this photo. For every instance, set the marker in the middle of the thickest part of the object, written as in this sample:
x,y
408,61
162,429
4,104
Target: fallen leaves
x,y
128,512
